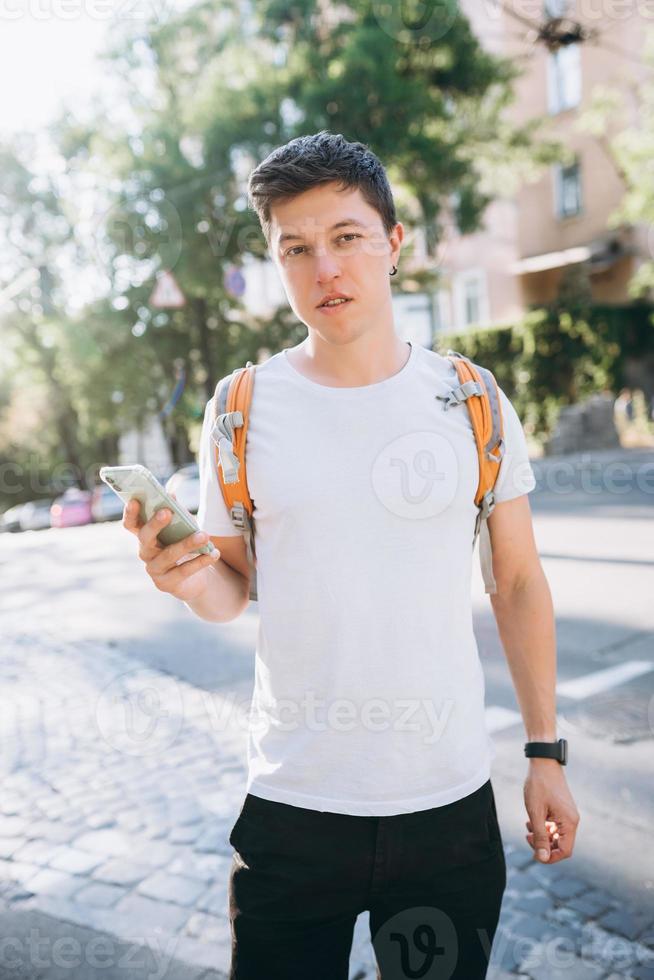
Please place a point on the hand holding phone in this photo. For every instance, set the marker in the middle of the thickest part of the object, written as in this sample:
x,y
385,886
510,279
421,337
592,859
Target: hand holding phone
x,y
165,545
185,581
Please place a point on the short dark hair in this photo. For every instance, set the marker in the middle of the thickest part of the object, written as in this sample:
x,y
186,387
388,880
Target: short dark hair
x,y
322,158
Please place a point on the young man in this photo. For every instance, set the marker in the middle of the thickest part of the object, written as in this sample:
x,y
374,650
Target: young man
x,y
369,761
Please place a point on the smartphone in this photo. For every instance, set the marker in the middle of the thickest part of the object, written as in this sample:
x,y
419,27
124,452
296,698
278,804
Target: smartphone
x,y
136,482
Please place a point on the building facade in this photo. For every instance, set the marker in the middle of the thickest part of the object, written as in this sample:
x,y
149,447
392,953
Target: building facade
x,y
564,218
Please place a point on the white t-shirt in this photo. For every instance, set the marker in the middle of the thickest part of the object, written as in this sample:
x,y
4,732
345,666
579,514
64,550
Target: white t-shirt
x,y
369,693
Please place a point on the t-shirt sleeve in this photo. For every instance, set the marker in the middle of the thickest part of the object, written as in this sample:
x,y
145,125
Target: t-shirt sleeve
x,y
212,516
516,475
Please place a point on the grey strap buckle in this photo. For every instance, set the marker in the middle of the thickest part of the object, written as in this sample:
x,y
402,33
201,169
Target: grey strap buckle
x,y
501,447
242,520
225,424
239,516
462,392
487,504
485,509
223,435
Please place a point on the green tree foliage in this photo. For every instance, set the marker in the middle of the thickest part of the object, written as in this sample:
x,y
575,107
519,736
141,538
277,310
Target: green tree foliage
x,y
207,94
559,356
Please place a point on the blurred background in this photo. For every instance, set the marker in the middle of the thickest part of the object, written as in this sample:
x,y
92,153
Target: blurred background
x,y
519,139
133,275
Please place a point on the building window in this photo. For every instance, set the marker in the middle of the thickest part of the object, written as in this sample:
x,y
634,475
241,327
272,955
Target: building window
x,y
471,298
568,190
472,301
442,311
564,78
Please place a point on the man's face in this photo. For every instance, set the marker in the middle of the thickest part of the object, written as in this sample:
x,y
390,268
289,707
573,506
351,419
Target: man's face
x,y
315,258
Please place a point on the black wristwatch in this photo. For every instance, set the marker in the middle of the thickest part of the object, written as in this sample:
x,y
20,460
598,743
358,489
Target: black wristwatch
x,y
548,750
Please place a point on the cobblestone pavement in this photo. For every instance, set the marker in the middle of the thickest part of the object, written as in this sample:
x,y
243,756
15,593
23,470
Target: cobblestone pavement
x,y
120,785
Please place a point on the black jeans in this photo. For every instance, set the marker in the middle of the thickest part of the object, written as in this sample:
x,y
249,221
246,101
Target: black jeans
x,y
432,881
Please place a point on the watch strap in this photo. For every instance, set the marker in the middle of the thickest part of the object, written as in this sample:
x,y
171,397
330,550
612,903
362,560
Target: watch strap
x,y
548,750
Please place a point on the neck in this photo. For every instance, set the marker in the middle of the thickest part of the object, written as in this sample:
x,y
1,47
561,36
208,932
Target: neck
x,y
365,361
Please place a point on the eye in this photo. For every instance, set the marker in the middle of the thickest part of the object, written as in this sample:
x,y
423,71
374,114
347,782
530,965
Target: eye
x,y
294,251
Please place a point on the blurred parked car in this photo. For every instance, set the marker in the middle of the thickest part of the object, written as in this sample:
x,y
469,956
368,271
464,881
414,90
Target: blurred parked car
x,y
185,484
72,508
35,515
105,504
10,520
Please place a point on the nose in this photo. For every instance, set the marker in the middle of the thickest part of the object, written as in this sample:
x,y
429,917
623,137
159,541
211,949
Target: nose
x,y
327,266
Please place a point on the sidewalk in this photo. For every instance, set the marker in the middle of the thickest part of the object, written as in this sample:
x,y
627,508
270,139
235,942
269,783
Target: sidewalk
x,y
120,786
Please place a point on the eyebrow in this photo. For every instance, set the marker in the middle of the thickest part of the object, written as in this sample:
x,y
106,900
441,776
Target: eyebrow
x,y
341,224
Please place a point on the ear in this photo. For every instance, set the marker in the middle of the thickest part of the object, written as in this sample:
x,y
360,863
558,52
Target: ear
x,y
396,239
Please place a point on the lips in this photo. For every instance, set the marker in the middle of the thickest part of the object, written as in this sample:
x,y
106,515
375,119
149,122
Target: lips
x,y
326,299
334,306
336,310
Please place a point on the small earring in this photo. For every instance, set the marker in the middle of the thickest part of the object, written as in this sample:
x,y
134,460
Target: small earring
x,y
394,272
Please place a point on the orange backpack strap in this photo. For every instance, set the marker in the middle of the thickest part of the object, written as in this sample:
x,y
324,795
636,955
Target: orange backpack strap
x,y
478,389
231,411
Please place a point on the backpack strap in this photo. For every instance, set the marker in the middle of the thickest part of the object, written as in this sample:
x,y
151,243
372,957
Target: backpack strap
x,y
231,410
477,387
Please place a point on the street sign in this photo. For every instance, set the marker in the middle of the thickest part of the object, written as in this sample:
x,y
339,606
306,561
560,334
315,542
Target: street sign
x,y
167,295
234,281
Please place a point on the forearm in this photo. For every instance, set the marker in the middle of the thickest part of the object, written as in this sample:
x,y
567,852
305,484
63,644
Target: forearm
x,y
525,622
226,596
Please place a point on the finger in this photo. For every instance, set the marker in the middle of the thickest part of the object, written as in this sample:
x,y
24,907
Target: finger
x,y
557,856
541,841
131,519
554,843
170,580
148,533
166,559
565,842
551,824
561,843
